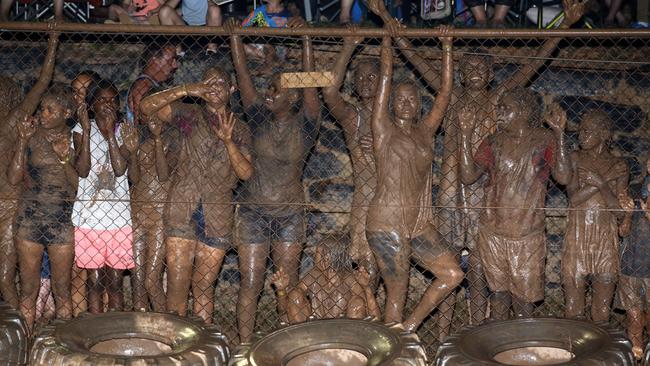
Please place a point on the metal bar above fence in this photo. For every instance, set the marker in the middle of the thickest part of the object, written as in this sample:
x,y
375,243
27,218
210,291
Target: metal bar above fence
x,y
325,32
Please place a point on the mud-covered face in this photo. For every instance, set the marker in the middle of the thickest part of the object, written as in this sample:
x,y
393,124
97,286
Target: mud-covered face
x,y
278,99
52,114
593,131
80,88
105,105
165,64
509,113
406,102
366,79
220,88
475,72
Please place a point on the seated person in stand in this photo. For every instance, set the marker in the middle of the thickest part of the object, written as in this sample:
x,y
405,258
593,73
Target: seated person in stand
x,y
332,289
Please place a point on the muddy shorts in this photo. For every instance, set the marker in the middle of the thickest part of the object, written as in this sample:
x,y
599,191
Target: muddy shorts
x,y
395,250
634,292
187,216
514,265
45,223
257,227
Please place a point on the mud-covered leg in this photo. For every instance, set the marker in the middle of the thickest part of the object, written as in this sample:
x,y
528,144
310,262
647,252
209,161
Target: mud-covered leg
x,y
252,266
95,286
478,288
500,305
30,255
574,294
180,257
392,254
603,286
437,259
8,260
207,268
113,285
61,259
154,267
138,274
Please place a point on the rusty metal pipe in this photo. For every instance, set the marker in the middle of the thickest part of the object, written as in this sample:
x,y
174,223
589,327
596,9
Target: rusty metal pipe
x,y
324,32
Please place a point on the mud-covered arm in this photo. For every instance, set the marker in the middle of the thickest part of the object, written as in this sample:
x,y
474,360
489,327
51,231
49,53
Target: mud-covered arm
x,y
573,11
437,113
380,121
297,306
405,46
244,81
311,102
28,106
556,118
627,203
158,105
621,185
162,166
578,195
338,107
238,146
18,166
82,142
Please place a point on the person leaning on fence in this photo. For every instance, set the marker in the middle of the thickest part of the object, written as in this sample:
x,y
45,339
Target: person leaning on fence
x,y
215,153
519,159
634,282
50,169
44,163
354,117
598,179
331,289
149,190
102,214
284,124
400,219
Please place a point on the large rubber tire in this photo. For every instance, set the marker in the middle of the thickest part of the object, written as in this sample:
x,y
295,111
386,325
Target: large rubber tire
x,y
382,344
591,344
68,343
646,356
14,343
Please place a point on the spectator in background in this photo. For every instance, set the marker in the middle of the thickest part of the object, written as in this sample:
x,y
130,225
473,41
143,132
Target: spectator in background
x,y
350,12
614,16
273,15
138,11
498,20
192,12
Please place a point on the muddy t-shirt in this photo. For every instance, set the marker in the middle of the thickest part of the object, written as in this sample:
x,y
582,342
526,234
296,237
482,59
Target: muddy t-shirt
x,y
202,153
279,155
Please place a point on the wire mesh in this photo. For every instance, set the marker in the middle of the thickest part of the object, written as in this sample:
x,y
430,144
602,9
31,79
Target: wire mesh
x,y
277,213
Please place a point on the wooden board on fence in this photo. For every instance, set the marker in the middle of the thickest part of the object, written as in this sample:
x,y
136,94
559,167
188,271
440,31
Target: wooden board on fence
x,y
291,80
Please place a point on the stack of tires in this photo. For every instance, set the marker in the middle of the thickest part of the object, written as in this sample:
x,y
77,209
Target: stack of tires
x,y
14,343
187,341
586,343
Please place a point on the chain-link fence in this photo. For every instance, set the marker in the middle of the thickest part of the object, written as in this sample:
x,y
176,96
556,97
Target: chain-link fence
x,y
315,195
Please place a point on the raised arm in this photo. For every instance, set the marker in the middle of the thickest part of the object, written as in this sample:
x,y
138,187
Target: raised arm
x,y
82,142
405,46
162,166
28,106
129,150
437,113
246,87
556,118
380,121
338,107
158,105
311,102
26,129
573,11
240,161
